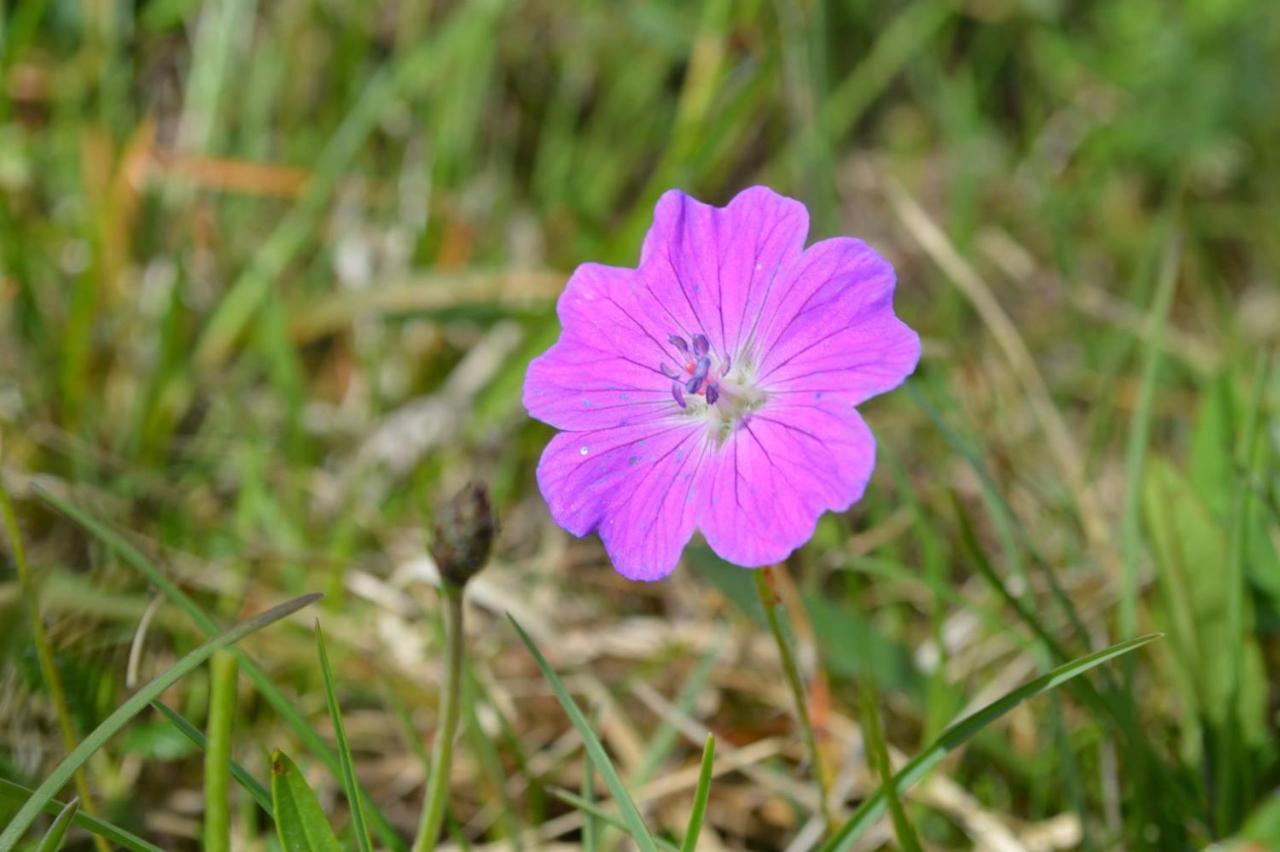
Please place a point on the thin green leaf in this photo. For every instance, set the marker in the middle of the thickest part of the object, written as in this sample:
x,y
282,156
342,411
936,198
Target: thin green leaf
x,y
238,772
52,840
9,791
960,733
634,822
300,821
700,796
594,810
277,699
130,708
878,749
349,784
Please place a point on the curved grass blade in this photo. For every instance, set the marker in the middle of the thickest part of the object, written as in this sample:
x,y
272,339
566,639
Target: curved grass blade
x,y
238,772
114,723
630,814
700,796
590,808
52,840
358,827
300,821
17,793
878,749
959,733
277,699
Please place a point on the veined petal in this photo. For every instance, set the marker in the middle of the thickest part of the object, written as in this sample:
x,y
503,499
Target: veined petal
x,y
837,334
778,473
636,485
577,386
711,268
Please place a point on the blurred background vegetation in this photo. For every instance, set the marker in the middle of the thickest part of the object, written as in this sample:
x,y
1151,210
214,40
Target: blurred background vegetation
x,y
270,273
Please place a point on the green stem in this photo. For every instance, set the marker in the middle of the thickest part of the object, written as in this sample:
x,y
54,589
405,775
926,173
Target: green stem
x,y
451,704
217,757
44,656
770,601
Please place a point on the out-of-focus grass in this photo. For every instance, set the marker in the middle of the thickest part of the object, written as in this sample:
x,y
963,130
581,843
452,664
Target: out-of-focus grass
x,y
270,274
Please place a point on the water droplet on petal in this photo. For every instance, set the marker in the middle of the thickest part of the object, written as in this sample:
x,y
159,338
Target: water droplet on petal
x,y
633,460
582,451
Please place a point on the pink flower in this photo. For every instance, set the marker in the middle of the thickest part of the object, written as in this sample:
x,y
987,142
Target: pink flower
x,y
715,387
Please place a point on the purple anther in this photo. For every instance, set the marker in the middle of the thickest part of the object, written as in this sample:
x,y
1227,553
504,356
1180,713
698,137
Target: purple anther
x,y
701,346
667,371
677,393
713,393
699,374
678,342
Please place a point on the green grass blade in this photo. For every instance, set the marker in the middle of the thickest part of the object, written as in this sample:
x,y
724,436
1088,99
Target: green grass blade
x,y
358,826
595,750
590,824
878,749
1140,435
593,810
277,699
959,733
11,792
115,722
300,821
700,796
52,840
238,772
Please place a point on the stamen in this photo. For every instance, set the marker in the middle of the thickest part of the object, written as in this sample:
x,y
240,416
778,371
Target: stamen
x,y
724,371
699,373
677,393
667,371
713,393
701,346
678,342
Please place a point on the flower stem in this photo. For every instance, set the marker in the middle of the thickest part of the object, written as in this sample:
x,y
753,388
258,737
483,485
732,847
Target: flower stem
x,y
766,589
451,704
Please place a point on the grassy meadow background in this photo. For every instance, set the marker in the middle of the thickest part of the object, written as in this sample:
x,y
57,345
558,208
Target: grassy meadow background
x,y
270,274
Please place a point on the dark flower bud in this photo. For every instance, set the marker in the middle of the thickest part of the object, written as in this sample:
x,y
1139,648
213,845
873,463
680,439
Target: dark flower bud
x,y
463,535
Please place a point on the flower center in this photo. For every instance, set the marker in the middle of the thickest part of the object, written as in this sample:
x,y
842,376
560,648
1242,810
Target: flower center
x,y
711,385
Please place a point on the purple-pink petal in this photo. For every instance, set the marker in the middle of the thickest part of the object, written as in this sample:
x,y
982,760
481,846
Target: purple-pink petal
x,y
711,268
636,485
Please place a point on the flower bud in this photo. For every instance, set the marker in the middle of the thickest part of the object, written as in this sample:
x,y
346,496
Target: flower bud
x,y
463,535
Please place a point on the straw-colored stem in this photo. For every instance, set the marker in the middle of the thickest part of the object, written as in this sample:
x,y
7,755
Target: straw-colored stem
x,y
450,708
44,656
769,599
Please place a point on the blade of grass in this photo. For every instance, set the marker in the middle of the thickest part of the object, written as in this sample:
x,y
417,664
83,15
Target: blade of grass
x,y
9,791
631,815
44,652
349,784
590,822
1140,435
238,772
277,699
217,757
115,722
959,733
595,811
700,796
52,840
879,752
